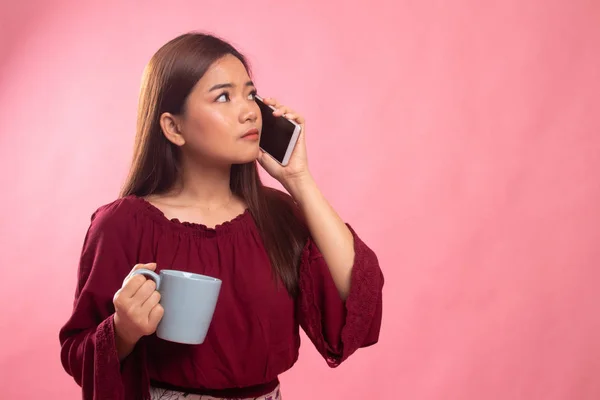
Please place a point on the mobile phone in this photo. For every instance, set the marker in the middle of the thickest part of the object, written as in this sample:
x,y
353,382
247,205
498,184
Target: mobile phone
x,y
279,135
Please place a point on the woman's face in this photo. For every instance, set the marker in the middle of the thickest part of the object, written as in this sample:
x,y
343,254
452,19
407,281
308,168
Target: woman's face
x,y
222,122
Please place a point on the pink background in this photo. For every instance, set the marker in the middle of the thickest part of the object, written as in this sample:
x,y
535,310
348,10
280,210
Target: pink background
x,y
464,143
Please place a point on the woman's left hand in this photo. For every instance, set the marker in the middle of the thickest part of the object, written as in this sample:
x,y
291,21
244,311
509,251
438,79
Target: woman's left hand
x,y
297,168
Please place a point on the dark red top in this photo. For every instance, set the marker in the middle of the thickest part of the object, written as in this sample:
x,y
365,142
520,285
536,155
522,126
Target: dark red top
x,y
254,333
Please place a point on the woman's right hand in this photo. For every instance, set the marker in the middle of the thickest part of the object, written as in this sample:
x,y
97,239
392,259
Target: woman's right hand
x,y
137,310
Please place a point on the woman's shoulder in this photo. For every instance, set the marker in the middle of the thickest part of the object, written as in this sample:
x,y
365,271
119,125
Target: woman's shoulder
x,y
118,214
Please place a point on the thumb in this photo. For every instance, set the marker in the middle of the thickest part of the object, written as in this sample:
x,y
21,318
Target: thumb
x,y
150,266
267,162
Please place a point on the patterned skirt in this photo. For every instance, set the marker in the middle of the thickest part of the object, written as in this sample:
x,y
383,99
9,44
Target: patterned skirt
x,y
166,394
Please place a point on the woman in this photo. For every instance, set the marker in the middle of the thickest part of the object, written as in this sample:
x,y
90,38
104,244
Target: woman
x,y
194,202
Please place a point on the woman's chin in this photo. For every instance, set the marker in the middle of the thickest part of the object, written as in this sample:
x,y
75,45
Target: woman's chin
x,y
247,157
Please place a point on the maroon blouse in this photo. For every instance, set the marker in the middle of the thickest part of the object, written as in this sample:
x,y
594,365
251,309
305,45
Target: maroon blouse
x,y
254,334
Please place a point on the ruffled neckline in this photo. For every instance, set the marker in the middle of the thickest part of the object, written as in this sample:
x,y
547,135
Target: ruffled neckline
x,y
192,227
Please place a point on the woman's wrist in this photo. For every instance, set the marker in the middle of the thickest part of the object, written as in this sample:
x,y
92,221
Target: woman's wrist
x,y
301,188
125,343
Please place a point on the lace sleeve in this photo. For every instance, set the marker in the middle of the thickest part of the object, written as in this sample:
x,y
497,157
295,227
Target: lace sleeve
x,y
338,328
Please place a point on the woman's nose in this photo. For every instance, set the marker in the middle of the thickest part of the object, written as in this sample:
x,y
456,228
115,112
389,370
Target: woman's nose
x,y
248,114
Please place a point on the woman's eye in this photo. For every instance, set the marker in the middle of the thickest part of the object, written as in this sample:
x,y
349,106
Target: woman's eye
x,y
223,98
252,96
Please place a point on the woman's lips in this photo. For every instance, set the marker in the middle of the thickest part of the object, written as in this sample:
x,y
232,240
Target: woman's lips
x,y
251,134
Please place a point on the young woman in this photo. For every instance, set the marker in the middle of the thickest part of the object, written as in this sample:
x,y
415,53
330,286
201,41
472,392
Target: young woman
x,y
194,202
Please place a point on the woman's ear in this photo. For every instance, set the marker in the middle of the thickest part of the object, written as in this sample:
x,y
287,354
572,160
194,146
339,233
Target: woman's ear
x,y
170,127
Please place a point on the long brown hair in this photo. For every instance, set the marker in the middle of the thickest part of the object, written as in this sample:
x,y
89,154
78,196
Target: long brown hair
x,y
168,79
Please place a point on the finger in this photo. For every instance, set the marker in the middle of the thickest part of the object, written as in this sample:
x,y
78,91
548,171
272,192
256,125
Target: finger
x,y
271,101
144,292
132,285
152,301
294,117
156,314
266,161
150,266
282,111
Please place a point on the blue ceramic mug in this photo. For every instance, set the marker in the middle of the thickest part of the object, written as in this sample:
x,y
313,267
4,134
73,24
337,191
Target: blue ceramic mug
x,y
189,301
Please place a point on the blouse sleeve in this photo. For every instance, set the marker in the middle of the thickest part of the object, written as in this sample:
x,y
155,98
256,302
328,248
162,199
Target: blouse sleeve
x,y
338,328
88,349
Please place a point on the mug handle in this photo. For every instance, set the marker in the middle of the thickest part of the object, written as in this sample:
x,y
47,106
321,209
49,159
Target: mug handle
x,y
150,274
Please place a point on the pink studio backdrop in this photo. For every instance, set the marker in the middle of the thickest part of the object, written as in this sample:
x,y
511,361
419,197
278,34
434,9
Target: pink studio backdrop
x,y
461,139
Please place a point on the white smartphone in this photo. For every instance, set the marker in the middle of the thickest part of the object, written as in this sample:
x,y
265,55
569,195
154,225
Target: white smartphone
x,y
279,135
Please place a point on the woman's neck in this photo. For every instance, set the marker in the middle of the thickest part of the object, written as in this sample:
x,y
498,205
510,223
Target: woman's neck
x,y
202,186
